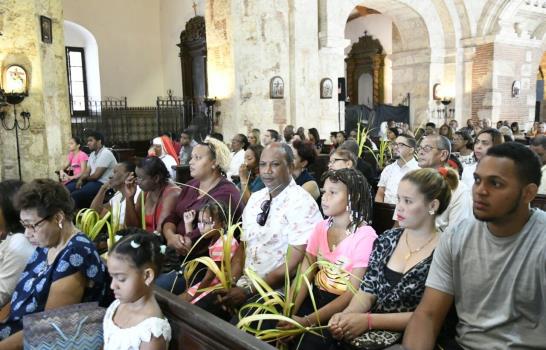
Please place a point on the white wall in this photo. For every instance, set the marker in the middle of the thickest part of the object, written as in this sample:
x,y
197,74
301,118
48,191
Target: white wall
x,y
77,36
380,27
129,46
174,14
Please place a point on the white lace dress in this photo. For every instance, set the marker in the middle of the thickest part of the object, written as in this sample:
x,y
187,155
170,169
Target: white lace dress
x,y
116,338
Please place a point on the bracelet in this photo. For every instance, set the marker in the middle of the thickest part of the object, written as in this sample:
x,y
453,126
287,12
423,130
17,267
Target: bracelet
x,y
306,317
248,289
369,321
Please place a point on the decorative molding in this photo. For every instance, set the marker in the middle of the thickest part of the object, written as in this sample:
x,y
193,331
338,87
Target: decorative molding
x,y
195,30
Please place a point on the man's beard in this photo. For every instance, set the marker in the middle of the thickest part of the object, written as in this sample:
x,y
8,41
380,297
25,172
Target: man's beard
x,y
512,210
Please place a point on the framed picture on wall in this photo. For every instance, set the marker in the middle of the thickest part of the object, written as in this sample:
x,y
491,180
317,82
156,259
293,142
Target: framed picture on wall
x,y
276,87
326,88
45,25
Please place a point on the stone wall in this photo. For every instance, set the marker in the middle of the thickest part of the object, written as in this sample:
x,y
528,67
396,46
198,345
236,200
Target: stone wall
x,y
43,145
250,42
511,63
482,81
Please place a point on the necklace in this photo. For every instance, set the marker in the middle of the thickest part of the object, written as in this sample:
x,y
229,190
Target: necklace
x,y
411,252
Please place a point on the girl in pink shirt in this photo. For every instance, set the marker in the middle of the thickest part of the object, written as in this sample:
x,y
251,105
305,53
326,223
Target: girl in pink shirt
x,y
344,242
76,162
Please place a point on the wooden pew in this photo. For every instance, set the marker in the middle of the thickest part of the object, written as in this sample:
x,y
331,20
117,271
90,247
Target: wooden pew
x,y
182,173
196,329
382,217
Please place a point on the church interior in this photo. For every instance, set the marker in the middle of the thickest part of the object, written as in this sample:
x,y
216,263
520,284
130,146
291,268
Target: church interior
x,y
469,53
136,70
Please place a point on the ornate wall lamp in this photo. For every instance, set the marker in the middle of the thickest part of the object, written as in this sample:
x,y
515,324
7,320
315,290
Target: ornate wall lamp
x,y
443,96
14,90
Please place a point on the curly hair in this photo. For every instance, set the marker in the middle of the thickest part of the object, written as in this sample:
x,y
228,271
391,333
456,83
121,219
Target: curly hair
x,y
359,194
219,152
48,197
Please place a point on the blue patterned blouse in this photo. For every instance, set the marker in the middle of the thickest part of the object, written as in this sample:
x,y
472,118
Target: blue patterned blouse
x,y
32,290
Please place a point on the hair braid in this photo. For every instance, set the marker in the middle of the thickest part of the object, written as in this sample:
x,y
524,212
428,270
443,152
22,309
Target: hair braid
x,y
359,195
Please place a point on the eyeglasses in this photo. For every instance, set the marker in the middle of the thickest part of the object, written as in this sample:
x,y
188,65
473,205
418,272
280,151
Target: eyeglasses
x,y
261,218
34,226
400,144
426,148
337,160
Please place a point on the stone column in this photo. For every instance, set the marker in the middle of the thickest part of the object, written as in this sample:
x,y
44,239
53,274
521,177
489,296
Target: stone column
x,y
411,71
43,146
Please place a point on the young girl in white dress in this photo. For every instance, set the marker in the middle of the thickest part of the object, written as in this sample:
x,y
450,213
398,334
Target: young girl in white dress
x,y
134,320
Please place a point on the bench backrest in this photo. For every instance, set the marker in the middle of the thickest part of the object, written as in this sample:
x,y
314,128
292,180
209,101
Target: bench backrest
x,y
196,329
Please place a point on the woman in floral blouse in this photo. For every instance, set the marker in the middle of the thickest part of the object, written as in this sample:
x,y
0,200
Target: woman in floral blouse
x,y
395,279
65,267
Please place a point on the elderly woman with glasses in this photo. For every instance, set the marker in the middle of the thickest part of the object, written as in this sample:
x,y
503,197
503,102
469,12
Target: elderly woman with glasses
x,y
208,165
64,269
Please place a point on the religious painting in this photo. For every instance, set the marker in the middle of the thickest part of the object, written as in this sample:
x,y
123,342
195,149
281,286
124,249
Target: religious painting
x,y
276,87
516,87
45,25
15,80
326,88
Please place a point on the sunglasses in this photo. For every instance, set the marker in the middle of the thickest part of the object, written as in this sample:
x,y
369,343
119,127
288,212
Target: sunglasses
x,y
261,218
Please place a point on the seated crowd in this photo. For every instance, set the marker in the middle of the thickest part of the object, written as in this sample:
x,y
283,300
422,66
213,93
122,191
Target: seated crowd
x,y
463,267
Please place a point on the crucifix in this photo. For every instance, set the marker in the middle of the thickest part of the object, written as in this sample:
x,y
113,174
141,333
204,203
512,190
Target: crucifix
x,y
195,8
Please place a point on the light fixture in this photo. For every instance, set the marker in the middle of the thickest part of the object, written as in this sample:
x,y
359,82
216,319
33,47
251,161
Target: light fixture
x,y
15,84
14,90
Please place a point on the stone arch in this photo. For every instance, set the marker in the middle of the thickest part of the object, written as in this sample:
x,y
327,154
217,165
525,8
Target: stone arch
x,y
77,35
493,11
464,19
422,31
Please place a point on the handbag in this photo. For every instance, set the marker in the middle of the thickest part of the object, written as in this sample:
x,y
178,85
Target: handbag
x,y
375,339
76,326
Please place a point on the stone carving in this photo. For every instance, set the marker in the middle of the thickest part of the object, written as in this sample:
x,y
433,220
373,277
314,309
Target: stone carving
x,y
195,30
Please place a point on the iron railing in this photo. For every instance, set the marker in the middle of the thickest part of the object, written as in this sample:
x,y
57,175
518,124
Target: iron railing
x,y
122,125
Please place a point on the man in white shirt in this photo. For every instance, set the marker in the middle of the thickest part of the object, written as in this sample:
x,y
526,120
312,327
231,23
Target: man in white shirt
x,y
404,149
101,165
239,144
433,152
277,222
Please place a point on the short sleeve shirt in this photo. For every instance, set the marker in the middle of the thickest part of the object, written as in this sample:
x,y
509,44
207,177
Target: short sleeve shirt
x,y
104,159
292,217
353,252
498,283
32,290
75,161
391,176
459,208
